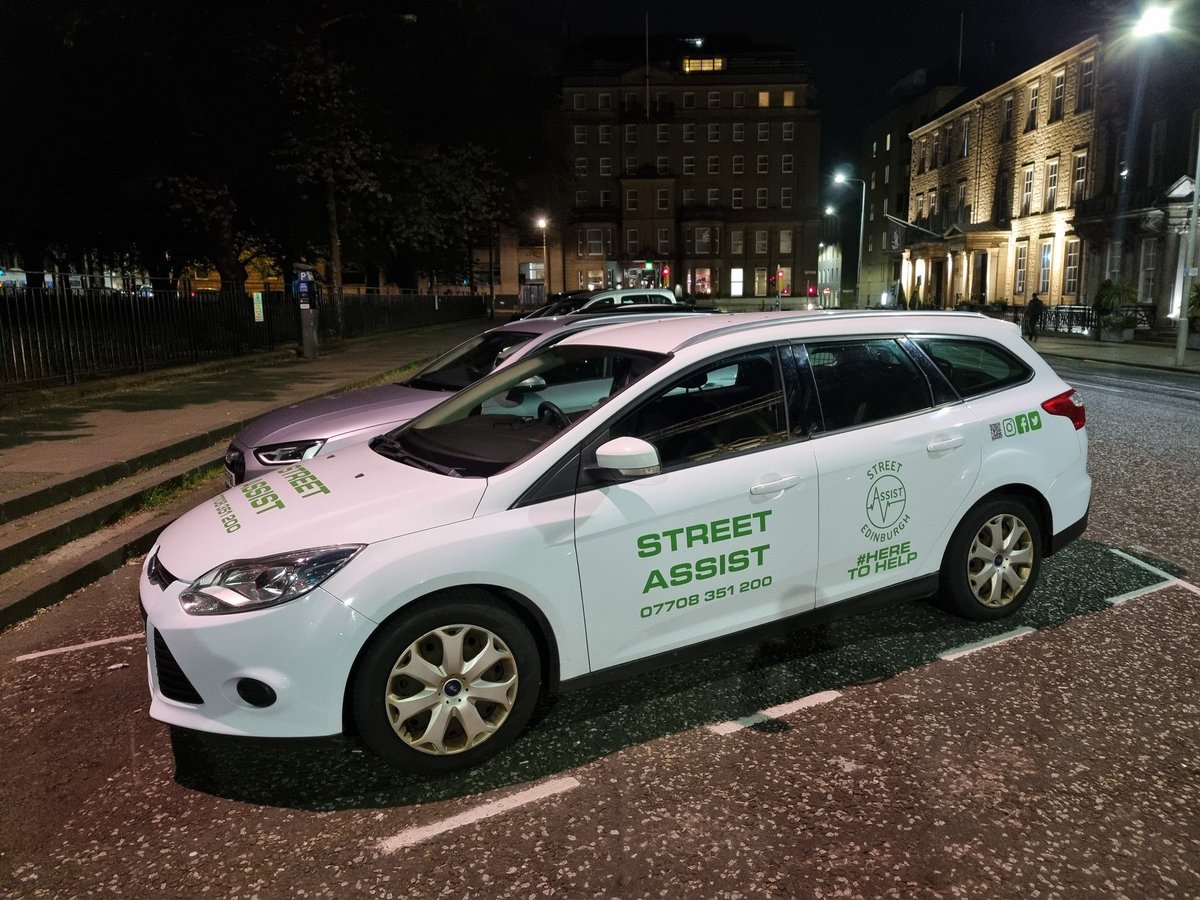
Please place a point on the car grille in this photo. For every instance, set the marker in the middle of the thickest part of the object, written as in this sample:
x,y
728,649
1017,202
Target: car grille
x,y
158,574
235,462
171,680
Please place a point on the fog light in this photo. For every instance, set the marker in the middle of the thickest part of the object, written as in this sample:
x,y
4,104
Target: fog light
x,y
255,692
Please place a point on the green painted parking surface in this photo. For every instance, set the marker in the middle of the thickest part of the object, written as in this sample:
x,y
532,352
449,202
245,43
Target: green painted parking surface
x,y
585,725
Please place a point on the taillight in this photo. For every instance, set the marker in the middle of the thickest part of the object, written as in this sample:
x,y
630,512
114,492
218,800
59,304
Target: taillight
x,y
1070,405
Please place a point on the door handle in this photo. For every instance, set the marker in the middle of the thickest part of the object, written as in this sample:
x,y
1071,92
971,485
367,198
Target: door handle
x,y
942,443
774,487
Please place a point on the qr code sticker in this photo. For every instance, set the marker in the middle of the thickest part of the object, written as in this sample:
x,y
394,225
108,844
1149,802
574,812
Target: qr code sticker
x,y
997,431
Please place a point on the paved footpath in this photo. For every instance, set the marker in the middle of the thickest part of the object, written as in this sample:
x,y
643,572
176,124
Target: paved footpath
x,y
62,433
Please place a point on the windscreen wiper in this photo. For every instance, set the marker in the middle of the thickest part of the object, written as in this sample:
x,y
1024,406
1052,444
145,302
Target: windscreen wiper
x,y
385,446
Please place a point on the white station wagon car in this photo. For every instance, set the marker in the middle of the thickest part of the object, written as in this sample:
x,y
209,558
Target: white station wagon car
x,y
635,491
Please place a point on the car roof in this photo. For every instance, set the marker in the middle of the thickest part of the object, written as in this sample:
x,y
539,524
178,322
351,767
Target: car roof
x,y
669,335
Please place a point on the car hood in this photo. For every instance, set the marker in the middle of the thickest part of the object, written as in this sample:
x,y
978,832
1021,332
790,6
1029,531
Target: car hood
x,y
354,496
384,407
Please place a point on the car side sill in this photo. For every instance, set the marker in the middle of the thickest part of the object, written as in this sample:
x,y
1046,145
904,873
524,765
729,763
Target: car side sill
x,y
909,590
1068,534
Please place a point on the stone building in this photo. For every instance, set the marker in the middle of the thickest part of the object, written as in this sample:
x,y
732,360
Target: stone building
x,y
696,168
996,182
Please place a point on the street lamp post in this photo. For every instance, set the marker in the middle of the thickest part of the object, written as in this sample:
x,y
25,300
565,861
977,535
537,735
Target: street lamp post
x,y
1157,20
841,178
542,223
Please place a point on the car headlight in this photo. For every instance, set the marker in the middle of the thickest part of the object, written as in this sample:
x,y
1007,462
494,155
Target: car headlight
x,y
245,584
294,451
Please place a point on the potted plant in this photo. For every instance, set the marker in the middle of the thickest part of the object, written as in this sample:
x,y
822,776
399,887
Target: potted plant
x,y
1113,295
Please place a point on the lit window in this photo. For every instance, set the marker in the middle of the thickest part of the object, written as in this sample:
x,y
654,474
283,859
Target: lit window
x,y
764,98
789,98
785,240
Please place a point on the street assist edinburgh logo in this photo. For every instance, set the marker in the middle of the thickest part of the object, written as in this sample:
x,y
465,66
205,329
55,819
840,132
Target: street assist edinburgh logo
x,y
886,501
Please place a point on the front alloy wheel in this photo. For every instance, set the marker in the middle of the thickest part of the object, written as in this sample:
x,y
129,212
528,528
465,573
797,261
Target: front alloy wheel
x,y
447,685
993,560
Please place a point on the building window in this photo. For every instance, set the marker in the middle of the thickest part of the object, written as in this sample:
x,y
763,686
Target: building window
x,y
764,98
1020,269
739,99
760,281
662,165
664,241
887,142
581,134
714,99
736,285
739,164
1071,269
737,242
664,198
714,196
631,165
764,131
633,243
581,167
739,131
785,164
595,242
964,146
661,102
605,199
606,134
789,98
785,198
704,64
631,135
887,173
1003,205
581,198
1027,192
789,131
737,198
961,211
1006,118
662,133
763,167
1057,96
714,165
871,212
1051,181
1031,115
760,198
760,242
714,132
689,133
606,165
579,101
606,101
1087,84
785,240
923,156
631,199
630,102
689,100
689,165
937,148
1047,249
1078,176
689,196
1146,278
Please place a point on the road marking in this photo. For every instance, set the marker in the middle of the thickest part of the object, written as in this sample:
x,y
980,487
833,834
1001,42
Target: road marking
x,y
140,636
979,645
1171,580
774,712
416,835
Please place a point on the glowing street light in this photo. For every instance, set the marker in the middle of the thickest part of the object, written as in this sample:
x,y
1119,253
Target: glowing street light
x,y
542,222
842,178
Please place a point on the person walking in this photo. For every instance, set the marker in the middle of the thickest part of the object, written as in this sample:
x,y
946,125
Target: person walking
x,y
1033,316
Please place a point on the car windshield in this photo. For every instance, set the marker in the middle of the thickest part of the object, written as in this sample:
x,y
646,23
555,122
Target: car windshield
x,y
512,412
469,361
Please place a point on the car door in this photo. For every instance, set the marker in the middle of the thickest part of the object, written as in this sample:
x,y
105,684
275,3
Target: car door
x,y
722,539
895,465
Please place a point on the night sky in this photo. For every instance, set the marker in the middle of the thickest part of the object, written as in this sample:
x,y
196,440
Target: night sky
x,y
857,49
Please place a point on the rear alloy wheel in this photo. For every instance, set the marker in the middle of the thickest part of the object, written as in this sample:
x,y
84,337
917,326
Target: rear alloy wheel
x,y
993,560
448,686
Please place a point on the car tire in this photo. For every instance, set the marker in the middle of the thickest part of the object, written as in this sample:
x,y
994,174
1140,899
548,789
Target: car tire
x,y
448,685
993,560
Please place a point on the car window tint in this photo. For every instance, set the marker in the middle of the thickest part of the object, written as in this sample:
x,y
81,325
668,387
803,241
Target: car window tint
x,y
804,411
866,381
732,404
974,367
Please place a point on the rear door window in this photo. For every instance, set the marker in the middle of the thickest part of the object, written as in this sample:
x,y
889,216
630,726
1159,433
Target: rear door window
x,y
974,366
864,381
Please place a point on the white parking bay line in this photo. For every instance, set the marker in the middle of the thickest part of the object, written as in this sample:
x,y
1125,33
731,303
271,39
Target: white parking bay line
x,y
1172,581
116,640
774,712
979,645
420,833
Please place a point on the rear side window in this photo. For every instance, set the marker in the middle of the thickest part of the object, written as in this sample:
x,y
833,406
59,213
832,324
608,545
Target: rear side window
x,y
974,367
865,381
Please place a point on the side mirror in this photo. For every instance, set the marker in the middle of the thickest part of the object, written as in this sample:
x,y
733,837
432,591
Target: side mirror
x,y
516,393
628,457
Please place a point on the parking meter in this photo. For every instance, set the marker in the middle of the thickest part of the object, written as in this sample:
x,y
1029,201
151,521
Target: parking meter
x,y
306,290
